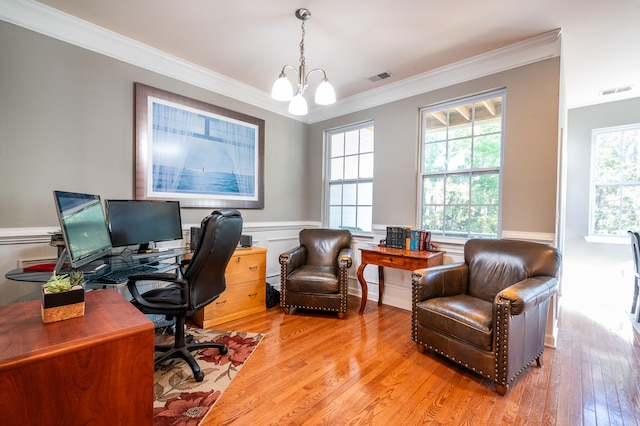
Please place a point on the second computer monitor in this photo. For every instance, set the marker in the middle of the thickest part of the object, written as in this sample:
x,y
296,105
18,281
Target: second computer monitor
x,y
141,222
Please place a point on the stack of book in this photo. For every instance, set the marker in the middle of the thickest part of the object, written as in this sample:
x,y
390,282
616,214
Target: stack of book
x,y
408,238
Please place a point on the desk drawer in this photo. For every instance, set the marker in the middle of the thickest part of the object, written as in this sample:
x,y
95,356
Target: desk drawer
x,y
238,298
242,268
389,260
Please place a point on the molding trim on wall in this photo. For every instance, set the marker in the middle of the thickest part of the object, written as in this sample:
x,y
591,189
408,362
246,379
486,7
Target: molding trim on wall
x,y
10,236
54,23
538,48
536,237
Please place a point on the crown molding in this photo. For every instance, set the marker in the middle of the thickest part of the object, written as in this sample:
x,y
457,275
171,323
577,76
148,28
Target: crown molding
x,y
70,29
59,25
538,48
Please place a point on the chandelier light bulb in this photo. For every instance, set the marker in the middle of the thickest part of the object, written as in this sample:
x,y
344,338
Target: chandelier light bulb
x,y
298,105
282,89
325,95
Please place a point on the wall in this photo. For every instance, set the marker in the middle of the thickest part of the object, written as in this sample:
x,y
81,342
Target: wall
x,y
529,176
67,122
530,148
69,105
584,261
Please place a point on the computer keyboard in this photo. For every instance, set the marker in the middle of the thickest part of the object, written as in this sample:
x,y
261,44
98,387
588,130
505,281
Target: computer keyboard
x,y
122,276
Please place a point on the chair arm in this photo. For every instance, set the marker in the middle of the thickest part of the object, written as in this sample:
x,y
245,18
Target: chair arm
x,y
167,277
528,293
440,281
294,258
345,257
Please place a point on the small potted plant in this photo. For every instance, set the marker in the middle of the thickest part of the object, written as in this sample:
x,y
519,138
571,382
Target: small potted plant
x,y
63,297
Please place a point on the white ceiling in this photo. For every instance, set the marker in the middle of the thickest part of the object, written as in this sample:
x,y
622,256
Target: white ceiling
x,y
251,40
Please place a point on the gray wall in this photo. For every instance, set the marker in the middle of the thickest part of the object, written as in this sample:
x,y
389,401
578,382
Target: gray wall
x,y
530,148
67,122
582,258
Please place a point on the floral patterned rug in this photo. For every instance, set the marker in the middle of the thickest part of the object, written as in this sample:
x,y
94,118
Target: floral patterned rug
x,y
178,398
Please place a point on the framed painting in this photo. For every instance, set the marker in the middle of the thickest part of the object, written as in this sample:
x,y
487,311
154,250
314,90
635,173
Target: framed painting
x,y
197,153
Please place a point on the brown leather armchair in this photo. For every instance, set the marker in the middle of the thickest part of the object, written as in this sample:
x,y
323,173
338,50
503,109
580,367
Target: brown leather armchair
x,y
314,274
488,313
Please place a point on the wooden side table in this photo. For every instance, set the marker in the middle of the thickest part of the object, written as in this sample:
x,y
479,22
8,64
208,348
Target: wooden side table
x,y
408,260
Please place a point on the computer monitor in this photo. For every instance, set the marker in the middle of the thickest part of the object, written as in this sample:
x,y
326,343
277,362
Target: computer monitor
x,y
84,228
142,222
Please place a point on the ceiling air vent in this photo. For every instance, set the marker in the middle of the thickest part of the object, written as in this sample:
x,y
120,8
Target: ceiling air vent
x,y
381,76
616,90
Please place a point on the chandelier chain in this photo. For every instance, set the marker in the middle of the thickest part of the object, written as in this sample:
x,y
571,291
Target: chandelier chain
x,y
302,59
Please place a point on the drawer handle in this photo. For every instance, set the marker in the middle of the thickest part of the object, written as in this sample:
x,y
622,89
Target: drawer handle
x,y
253,295
390,259
254,267
221,303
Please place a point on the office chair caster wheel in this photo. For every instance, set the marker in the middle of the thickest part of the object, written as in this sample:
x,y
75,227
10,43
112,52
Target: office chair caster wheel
x,y
199,376
223,350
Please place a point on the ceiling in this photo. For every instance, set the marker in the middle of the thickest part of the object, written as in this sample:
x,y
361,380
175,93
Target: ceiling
x,y
251,40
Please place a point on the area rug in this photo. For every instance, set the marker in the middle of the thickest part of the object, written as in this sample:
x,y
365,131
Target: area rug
x,y
178,398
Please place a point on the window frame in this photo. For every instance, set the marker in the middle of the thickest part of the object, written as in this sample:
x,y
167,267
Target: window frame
x,y
327,173
499,170
591,234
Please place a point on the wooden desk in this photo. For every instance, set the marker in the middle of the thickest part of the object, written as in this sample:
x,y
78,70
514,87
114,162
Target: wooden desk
x,y
408,260
95,369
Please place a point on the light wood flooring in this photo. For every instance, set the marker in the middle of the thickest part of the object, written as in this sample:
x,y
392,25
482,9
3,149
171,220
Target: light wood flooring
x,y
318,370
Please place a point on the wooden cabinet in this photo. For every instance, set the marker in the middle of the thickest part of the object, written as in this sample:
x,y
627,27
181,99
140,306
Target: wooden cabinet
x,y
93,369
246,289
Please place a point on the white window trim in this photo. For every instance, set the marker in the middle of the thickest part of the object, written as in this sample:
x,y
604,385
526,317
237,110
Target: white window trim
x,y
592,237
326,176
450,104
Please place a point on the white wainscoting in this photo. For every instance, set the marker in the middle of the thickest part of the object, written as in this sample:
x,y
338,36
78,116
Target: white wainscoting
x,y
20,246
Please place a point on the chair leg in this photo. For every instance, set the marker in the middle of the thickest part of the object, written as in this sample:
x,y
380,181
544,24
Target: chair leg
x,y
501,389
539,361
635,295
182,349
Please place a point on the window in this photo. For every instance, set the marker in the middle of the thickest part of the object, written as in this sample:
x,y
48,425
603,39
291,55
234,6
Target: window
x,y
615,180
350,177
460,168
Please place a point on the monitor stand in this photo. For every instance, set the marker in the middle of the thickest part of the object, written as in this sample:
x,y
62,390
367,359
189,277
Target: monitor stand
x,y
89,268
61,259
144,248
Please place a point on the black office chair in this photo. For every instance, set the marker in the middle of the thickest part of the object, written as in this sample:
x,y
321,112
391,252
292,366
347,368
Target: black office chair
x,y
199,284
635,246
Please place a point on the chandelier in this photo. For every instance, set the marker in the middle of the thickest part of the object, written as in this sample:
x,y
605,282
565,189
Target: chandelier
x,y
282,89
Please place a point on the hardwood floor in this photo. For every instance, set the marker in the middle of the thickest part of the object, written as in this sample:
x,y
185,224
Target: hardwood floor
x,y
315,369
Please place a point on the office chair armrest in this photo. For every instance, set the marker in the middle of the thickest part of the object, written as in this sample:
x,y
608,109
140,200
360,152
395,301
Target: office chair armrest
x,y
166,277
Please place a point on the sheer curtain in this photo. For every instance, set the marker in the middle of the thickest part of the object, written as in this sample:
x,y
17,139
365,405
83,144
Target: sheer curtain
x,y
172,131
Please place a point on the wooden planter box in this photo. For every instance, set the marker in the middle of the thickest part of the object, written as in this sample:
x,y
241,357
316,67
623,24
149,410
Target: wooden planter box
x,y
61,306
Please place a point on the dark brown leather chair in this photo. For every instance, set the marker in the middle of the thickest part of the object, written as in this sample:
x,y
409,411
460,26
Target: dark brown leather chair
x,y
200,284
488,313
314,274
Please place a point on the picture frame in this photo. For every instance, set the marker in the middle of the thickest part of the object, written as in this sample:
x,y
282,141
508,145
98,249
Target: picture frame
x,y
199,154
